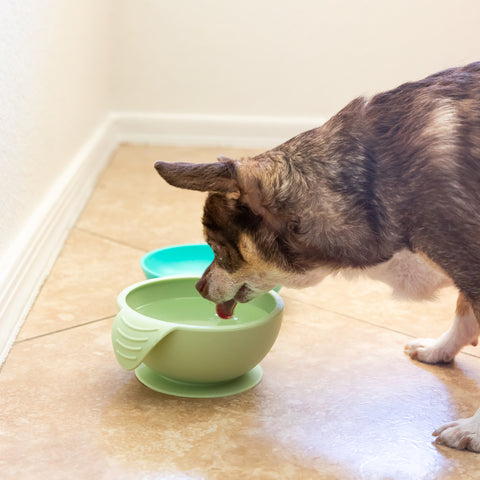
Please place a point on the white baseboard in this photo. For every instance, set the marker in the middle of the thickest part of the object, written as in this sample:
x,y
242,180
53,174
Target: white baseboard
x,y
40,241
209,130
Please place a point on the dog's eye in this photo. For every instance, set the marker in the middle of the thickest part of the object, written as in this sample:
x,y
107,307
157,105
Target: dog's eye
x,y
215,249
220,256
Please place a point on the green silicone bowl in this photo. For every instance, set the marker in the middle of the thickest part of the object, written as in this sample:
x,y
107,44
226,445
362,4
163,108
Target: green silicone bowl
x,y
177,344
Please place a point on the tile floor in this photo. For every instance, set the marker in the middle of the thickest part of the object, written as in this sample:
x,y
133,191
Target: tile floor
x,y
339,398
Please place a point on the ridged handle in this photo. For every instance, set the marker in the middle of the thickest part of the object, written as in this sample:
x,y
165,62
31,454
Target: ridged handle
x,y
134,338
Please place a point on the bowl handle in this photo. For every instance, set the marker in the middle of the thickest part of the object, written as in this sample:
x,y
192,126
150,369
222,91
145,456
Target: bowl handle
x,y
133,340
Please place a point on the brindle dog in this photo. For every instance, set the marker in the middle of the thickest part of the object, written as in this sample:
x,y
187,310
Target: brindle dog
x,y
389,186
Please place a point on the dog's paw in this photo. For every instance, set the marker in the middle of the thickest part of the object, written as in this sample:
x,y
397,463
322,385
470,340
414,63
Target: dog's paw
x,y
428,350
463,434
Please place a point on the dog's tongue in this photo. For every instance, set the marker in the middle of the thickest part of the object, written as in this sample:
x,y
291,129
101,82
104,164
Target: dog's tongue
x,y
225,309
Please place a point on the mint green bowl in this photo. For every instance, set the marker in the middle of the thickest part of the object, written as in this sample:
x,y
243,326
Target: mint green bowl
x,y
177,344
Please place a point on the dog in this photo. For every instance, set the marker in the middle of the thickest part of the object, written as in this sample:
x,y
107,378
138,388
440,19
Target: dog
x,y
388,187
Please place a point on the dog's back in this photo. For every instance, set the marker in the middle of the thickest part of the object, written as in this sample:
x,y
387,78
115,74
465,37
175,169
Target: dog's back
x,y
399,170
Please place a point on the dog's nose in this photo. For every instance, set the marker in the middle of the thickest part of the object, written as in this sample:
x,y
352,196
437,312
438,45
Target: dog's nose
x,y
202,284
202,287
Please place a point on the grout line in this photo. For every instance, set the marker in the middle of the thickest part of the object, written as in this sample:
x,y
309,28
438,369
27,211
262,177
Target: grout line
x,y
64,329
351,317
383,327
105,237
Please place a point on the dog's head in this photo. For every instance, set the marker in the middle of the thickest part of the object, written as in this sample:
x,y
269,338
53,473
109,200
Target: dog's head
x,y
245,223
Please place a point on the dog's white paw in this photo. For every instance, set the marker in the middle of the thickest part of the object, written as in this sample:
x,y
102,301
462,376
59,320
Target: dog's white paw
x,y
428,350
463,434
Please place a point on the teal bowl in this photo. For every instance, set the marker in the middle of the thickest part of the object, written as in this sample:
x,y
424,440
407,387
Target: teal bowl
x,y
178,260
191,259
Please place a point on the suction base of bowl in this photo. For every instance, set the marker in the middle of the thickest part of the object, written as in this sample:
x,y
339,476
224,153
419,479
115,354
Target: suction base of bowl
x,y
151,379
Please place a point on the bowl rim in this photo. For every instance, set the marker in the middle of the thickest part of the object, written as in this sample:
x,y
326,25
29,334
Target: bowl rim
x,y
152,253
122,304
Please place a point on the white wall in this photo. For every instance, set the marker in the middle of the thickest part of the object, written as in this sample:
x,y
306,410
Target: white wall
x,y
55,87
282,57
56,75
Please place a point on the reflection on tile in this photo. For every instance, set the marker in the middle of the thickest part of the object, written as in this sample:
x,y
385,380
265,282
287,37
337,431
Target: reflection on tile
x,y
339,399
83,285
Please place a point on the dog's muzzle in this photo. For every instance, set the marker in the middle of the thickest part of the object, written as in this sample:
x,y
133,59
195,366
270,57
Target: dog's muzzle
x,y
243,294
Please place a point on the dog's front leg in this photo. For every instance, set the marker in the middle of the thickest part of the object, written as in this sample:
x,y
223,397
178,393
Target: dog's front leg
x,y
464,331
465,433
462,434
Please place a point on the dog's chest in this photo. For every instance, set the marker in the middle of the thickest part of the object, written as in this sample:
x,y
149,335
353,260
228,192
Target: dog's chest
x,y
410,276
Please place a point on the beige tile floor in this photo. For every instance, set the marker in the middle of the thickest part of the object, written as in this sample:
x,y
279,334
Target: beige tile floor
x,y
339,398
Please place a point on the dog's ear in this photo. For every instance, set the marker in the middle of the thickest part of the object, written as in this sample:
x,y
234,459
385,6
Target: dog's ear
x,y
255,194
206,177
